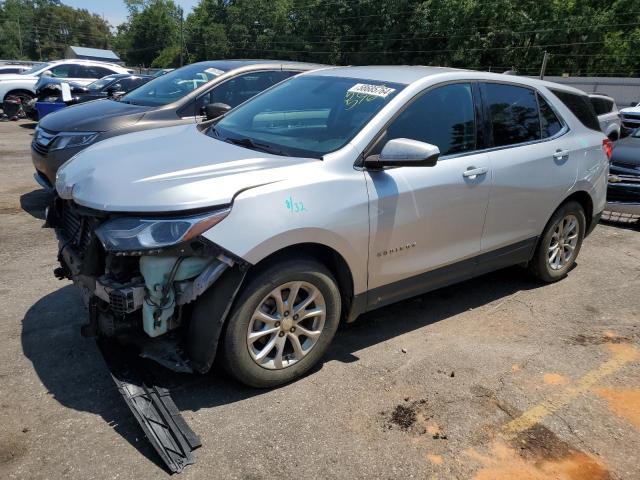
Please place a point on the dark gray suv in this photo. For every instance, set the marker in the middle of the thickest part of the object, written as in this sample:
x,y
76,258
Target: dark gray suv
x,y
195,92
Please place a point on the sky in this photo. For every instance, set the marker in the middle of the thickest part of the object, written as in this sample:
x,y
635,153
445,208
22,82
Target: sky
x,y
114,11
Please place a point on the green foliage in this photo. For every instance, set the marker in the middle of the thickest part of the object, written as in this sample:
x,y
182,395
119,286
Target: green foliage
x,y
586,37
42,29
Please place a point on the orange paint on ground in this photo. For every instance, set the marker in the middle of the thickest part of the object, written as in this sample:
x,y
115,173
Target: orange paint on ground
x,y
610,334
504,463
554,379
623,402
515,368
435,459
432,429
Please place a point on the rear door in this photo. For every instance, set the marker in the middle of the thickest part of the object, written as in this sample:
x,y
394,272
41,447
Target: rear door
x,y
426,221
534,162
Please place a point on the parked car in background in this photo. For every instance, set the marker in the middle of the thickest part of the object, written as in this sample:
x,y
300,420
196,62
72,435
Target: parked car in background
x,y
14,68
623,192
608,115
49,90
197,91
22,85
163,71
333,193
630,118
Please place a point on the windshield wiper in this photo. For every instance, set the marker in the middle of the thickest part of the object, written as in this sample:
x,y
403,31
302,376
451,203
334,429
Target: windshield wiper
x,y
247,142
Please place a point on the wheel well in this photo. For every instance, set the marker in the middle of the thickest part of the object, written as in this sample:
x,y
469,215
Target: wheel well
x,y
584,199
321,253
17,91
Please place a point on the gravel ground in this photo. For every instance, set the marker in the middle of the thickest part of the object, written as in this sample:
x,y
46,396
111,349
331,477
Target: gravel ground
x,y
496,378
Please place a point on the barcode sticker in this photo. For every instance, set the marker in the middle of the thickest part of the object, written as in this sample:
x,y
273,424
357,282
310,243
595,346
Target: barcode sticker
x,y
375,90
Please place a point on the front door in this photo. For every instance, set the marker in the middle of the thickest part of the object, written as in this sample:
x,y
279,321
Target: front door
x,y
426,221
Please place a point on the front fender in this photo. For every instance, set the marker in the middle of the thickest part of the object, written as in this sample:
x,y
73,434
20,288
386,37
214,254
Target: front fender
x,y
314,205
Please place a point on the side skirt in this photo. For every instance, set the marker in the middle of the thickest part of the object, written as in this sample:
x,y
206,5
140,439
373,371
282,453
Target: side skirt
x,y
520,252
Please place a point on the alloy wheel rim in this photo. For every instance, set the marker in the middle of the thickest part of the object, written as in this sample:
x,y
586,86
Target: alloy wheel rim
x,y
564,241
286,325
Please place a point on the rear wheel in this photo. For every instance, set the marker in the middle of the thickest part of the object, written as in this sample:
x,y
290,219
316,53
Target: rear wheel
x,y
560,244
282,324
24,96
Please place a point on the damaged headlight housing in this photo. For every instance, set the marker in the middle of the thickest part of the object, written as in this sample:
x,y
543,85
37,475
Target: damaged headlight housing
x,y
126,234
72,139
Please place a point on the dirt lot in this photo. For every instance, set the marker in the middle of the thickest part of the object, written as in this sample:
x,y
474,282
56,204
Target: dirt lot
x,y
496,378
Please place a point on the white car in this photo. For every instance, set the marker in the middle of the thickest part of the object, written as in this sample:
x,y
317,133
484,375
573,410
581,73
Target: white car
x,y
608,115
22,85
14,68
630,118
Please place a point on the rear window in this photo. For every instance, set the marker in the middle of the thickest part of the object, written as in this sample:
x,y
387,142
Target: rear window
x,y
549,122
514,114
581,107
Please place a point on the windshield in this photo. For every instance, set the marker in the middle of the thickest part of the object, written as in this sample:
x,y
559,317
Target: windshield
x,y
101,83
36,68
172,86
306,116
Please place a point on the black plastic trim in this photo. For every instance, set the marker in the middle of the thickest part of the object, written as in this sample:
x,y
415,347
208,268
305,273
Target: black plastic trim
x,y
520,252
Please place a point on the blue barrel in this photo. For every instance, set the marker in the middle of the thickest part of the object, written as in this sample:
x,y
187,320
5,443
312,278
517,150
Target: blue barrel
x,y
44,108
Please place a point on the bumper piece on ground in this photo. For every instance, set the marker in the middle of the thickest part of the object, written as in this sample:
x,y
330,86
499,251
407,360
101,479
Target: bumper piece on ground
x,y
153,408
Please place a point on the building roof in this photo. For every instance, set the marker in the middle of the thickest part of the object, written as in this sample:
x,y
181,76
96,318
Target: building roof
x,y
94,52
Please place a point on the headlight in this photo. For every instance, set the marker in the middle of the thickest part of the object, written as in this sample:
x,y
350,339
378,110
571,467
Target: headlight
x,y
72,139
130,234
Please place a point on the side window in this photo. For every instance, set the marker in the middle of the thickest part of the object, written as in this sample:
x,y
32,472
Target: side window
x,y
514,114
444,116
241,88
599,105
581,107
549,122
62,71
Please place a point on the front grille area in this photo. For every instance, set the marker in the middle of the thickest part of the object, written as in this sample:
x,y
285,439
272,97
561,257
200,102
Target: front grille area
x,y
76,229
41,149
42,140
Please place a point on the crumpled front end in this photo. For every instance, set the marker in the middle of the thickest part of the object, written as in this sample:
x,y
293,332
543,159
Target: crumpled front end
x,y
139,290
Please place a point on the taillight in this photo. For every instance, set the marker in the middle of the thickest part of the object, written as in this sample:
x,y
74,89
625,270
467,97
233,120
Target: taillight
x,y
607,146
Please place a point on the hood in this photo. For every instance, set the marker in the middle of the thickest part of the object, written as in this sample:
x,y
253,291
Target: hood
x,y
635,109
98,116
167,170
626,151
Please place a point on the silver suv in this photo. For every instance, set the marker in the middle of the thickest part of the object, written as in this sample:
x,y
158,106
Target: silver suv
x,y
331,194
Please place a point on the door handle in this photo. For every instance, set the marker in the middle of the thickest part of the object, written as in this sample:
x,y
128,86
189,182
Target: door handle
x,y
560,154
473,172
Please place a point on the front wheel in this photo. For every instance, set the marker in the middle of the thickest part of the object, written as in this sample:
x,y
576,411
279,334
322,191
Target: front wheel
x,y
282,324
560,244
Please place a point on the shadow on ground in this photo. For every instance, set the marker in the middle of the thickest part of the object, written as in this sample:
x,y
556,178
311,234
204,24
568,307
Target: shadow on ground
x,y
72,369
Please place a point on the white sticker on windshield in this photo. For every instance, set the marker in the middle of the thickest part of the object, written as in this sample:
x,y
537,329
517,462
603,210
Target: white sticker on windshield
x,y
375,90
214,71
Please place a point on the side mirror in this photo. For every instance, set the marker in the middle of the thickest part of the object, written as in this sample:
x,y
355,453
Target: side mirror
x,y
215,110
404,152
110,92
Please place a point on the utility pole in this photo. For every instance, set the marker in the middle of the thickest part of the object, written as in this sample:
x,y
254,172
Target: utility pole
x,y
20,39
545,60
38,42
181,35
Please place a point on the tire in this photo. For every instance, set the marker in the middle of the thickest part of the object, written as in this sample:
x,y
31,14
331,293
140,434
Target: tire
x,y
258,302
23,95
544,265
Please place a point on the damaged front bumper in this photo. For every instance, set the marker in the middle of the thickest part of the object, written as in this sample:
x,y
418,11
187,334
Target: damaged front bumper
x,y
148,298
157,305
